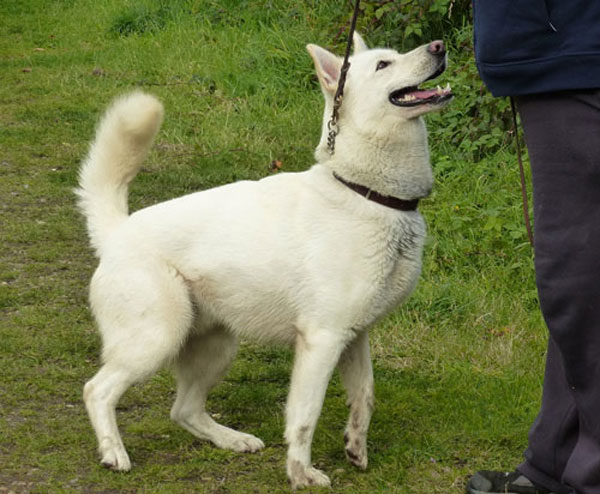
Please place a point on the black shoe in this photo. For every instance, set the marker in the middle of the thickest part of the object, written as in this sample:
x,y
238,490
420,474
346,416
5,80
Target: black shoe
x,y
502,482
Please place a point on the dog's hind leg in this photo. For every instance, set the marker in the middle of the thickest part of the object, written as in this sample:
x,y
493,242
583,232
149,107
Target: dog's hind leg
x,y
143,315
202,363
101,394
357,377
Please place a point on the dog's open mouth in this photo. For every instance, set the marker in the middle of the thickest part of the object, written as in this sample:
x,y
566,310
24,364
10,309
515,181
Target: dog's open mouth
x,y
414,96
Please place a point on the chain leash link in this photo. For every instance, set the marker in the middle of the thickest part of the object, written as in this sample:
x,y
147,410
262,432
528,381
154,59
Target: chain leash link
x,y
332,125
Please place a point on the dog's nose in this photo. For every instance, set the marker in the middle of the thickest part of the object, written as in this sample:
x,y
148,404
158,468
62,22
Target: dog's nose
x,y
437,48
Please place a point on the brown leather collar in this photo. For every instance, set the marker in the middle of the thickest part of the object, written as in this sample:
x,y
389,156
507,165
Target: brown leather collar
x,y
389,201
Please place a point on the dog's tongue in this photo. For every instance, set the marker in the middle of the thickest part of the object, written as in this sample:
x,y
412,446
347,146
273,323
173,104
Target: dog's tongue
x,y
424,93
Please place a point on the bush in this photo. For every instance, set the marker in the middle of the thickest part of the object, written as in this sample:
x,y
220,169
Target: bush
x,y
406,23
475,123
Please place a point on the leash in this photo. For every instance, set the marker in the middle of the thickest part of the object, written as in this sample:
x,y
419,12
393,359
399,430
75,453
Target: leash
x,y
333,128
521,173
332,125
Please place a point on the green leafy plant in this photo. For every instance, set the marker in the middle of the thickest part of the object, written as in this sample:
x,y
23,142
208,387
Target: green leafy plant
x,y
406,23
476,123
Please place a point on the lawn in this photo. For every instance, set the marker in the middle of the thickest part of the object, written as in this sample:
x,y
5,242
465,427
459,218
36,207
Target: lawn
x,y
458,368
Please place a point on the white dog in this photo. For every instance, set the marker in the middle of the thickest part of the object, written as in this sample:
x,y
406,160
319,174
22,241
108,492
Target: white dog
x,y
311,259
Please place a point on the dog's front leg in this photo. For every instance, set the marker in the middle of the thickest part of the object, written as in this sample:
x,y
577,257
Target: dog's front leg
x,y
317,354
356,372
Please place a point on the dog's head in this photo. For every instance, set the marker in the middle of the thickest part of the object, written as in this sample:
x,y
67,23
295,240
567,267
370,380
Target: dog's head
x,y
382,85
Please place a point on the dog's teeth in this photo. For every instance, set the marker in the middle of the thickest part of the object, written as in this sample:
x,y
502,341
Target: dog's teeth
x,y
438,89
447,88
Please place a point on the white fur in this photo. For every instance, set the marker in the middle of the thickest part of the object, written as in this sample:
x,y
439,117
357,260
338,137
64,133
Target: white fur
x,y
297,258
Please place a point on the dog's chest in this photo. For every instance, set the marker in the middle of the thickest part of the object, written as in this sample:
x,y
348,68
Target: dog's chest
x,y
395,266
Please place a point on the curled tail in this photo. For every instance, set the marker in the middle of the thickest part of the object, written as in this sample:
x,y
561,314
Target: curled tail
x,y
122,142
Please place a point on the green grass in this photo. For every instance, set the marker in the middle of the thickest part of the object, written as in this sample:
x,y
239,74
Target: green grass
x,y
458,368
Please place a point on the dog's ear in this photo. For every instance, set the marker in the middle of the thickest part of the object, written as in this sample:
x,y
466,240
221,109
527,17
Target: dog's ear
x,y
359,43
328,67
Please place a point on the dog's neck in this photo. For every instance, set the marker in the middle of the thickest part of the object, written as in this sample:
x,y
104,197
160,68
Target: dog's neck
x,y
395,164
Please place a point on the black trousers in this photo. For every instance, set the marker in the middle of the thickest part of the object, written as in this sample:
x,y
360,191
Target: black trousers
x,y
562,132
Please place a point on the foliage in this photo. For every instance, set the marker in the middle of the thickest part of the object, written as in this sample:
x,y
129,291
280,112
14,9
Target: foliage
x,y
406,23
475,123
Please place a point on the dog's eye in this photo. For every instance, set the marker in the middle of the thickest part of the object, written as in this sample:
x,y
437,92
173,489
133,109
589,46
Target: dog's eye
x,y
382,64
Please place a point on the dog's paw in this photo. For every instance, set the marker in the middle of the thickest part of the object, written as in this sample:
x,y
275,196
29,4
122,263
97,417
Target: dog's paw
x,y
114,457
301,476
240,442
356,450
248,444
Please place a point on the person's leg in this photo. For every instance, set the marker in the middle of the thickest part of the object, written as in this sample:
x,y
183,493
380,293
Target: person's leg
x,y
562,132
555,430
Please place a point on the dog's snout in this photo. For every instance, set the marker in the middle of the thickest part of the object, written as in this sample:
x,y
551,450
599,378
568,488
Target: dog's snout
x,y
437,48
